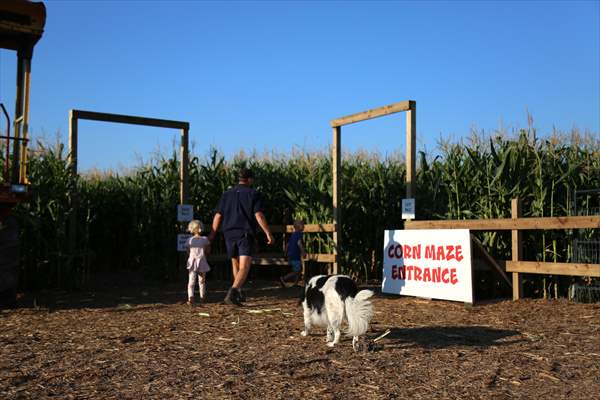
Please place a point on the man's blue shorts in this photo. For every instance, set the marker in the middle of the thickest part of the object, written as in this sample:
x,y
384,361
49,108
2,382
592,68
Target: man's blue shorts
x,y
239,244
296,265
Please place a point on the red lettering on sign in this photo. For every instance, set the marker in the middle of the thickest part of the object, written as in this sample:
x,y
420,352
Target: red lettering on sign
x,y
417,271
449,252
445,276
397,272
417,252
440,253
430,251
391,251
408,270
406,251
453,278
433,252
427,275
459,256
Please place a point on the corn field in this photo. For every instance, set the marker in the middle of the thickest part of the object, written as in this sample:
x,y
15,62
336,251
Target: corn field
x,y
128,221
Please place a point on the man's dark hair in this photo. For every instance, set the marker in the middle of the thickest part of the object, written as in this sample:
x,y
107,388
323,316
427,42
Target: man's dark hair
x,y
245,173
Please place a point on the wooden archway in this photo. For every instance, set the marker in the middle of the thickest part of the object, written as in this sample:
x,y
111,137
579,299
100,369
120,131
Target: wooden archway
x,y
76,115
410,106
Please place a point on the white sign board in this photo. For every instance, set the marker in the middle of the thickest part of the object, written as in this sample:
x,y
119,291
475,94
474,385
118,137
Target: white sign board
x,y
185,212
408,208
182,239
433,263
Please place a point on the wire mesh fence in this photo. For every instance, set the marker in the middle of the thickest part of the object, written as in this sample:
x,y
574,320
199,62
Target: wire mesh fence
x,y
584,293
586,251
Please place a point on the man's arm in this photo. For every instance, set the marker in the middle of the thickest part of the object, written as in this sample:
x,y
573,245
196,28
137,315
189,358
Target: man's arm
x,y
262,221
215,226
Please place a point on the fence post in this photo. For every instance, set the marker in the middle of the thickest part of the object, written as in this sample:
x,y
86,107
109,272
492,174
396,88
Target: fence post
x,y
72,230
517,249
411,152
336,166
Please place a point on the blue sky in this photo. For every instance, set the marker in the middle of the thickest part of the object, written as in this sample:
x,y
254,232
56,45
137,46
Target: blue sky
x,y
269,76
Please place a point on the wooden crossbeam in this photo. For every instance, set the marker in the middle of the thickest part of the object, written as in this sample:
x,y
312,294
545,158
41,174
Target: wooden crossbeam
x,y
129,119
509,223
308,228
276,258
321,257
373,113
549,268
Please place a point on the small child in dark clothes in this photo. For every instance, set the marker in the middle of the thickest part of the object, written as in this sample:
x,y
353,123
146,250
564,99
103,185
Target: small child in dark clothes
x,y
295,253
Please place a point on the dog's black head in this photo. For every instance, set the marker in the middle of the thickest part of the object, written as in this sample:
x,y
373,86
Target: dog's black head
x,y
315,299
312,288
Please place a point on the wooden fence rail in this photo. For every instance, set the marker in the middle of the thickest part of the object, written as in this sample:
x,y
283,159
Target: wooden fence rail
x,y
538,267
507,224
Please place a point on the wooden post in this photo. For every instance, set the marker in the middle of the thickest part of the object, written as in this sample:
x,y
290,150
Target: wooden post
x,y
18,121
183,168
26,85
337,215
472,303
517,250
72,161
411,135
183,189
72,156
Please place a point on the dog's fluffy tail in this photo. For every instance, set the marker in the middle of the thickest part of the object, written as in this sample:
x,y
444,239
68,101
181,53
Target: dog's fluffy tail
x,y
359,312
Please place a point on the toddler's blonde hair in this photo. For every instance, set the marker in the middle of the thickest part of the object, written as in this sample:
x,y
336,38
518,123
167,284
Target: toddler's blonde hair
x,y
195,226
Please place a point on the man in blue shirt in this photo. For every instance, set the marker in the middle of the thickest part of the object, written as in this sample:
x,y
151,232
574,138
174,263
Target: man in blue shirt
x,y
238,213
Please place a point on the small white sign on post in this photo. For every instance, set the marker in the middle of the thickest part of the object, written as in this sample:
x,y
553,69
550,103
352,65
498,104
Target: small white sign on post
x,y
185,212
182,240
432,263
408,208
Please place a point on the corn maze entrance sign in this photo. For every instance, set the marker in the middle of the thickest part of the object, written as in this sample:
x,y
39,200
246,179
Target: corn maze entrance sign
x,y
428,263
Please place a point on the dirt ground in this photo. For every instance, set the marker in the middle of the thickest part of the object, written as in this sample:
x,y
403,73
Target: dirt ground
x,y
126,343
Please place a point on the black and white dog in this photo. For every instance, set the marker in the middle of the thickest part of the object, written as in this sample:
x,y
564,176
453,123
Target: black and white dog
x,y
326,299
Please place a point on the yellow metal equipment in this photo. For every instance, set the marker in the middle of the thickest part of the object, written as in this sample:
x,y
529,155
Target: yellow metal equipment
x,y
21,26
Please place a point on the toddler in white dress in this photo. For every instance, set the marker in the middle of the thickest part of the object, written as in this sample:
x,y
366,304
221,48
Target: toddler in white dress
x,y
199,247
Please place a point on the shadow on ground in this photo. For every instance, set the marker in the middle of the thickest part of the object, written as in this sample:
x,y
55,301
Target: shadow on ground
x,y
124,294
436,337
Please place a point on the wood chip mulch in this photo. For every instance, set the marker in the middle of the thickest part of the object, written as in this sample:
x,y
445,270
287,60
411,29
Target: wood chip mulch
x,y
145,343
